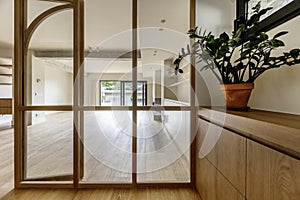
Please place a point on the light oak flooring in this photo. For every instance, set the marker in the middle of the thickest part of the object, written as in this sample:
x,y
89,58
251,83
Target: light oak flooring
x,y
107,154
107,149
6,161
104,194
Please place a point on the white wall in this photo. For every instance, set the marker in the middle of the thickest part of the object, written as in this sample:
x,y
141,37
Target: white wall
x,y
6,52
279,89
58,87
50,86
213,16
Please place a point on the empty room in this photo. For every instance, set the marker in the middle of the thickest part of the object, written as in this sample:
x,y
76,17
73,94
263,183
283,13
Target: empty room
x,y
140,99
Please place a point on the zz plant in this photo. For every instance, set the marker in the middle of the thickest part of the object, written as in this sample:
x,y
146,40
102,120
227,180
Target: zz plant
x,y
252,46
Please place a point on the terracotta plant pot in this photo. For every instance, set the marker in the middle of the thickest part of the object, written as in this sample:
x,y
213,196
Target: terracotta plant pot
x,y
237,95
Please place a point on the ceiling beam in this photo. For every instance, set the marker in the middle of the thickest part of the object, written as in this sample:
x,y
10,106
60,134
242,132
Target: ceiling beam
x,y
69,54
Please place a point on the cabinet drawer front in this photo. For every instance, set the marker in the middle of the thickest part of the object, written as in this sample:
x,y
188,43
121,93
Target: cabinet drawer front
x,y
271,175
212,185
226,151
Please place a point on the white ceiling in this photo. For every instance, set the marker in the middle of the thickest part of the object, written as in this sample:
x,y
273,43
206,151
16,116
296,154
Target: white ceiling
x,y
108,27
103,20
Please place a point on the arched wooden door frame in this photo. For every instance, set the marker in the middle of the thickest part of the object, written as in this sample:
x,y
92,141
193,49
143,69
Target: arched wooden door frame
x,y
22,36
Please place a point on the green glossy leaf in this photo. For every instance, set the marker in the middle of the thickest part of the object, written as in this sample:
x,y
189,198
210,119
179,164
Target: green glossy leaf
x,y
240,66
224,36
182,51
279,43
257,7
280,34
252,65
295,53
263,36
188,49
264,11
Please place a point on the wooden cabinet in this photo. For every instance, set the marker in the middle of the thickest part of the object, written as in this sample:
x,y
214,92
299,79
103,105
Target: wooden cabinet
x,y
213,185
271,175
250,155
221,169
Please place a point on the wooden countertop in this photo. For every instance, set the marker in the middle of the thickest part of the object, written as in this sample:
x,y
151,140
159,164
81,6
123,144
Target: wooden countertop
x,y
279,131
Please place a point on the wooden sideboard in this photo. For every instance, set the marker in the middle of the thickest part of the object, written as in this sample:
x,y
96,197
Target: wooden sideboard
x,y
5,106
247,155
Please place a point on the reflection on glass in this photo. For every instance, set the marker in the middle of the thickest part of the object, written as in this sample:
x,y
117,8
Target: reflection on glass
x,y
49,147
107,144
163,141
275,4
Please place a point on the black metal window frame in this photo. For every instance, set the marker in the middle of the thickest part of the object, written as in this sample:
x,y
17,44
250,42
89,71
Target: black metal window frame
x,y
277,18
122,102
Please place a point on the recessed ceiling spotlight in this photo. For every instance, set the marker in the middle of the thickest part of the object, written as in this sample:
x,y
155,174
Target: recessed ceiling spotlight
x,y
155,51
163,21
160,29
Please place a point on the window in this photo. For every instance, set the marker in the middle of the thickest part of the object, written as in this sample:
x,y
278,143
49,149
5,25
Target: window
x,y
119,93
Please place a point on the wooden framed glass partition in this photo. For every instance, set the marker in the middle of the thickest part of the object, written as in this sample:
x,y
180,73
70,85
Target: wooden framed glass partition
x,y
66,142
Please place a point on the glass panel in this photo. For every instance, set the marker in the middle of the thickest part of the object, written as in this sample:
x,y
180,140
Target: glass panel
x,y
37,7
49,147
275,4
142,93
163,146
110,93
49,70
108,46
107,147
161,37
127,93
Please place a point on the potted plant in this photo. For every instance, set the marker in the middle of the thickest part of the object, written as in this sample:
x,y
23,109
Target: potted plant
x,y
237,61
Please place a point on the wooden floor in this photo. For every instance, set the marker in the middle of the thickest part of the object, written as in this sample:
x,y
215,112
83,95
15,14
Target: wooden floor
x,y
107,149
109,194
107,156
6,161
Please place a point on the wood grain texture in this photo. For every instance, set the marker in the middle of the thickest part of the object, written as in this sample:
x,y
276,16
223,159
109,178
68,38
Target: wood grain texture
x,y
212,185
226,151
6,66
5,106
50,149
6,161
271,175
276,130
113,194
6,102
49,153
